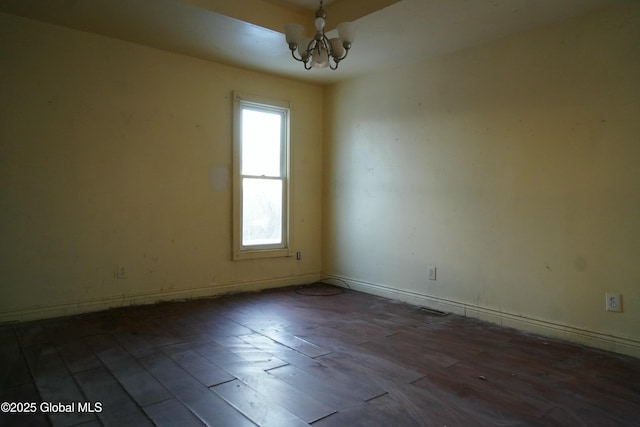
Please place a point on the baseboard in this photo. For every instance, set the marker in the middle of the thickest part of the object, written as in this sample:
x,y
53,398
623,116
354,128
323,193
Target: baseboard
x,y
595,339
141,298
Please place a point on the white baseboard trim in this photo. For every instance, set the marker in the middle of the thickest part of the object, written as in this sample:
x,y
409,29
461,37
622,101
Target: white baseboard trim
x,y
141,298
595,339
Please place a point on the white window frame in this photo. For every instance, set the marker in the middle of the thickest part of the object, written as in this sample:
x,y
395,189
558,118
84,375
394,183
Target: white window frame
x,y
241,252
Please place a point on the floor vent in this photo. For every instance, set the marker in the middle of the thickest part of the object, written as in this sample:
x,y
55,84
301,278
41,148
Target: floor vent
x,y
433,311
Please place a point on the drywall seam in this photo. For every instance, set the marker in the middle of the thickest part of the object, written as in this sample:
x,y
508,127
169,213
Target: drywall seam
x,y
618,344
142,298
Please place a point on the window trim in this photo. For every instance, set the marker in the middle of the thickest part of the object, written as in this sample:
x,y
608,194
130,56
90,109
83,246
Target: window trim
x,y
241,252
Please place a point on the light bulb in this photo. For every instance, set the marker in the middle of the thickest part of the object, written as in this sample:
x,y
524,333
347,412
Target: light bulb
x,y
320,59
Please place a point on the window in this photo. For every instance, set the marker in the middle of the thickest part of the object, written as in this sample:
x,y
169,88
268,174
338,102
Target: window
x,y
261,178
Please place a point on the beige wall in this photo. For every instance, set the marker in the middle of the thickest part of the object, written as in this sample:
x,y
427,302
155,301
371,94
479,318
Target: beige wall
x,y
117,154
513,167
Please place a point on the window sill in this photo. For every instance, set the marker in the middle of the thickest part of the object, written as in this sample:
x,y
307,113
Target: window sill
x,y
263,253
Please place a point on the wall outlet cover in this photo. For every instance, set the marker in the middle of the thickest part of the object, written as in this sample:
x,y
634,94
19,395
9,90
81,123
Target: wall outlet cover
x,y
614,302
121,272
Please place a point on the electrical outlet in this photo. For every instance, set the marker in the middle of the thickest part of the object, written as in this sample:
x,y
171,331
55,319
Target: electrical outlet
x,y
120,272
431,272
614,302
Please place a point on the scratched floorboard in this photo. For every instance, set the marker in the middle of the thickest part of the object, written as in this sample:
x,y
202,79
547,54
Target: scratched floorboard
x,y
280,358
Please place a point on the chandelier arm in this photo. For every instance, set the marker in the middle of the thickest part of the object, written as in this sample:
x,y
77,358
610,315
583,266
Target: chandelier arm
x,y
313,44
302,59
346,52
336,61
293,54
326,43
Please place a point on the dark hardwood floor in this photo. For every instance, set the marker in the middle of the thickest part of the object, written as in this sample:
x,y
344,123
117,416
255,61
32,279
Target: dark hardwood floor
x,y
279,358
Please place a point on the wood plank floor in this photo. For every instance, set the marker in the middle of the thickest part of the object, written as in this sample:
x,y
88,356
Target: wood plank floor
x,y
280,358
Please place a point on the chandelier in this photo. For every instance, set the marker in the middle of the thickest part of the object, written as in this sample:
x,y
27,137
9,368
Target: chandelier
x,y
320,51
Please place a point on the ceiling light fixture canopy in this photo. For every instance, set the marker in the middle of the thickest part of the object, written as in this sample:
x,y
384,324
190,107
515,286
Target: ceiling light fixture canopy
x,y
320,51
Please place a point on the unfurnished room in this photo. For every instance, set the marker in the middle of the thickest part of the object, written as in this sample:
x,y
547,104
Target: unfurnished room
x,y
326,213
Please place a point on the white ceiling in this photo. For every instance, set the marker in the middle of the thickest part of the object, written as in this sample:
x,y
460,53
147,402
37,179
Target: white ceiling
x,y
248,33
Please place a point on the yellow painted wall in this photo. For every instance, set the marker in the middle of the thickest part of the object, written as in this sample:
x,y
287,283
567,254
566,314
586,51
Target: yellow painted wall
x,y
513,167
118,154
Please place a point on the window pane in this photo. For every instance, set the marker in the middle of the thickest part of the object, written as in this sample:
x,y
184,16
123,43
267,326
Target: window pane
x,y
261,211
261,137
